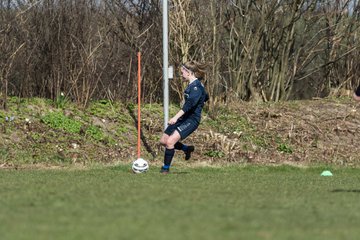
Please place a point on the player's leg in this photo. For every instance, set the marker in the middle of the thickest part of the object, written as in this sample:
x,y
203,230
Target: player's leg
x,y
188,149
167,133
170,151
163,139
185,129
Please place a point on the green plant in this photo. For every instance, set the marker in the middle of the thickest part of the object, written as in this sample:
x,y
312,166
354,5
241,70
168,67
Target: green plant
x,y
121,130
61,100
256,140
4,153
124,119
102,108
130,106
58,120
95,133
282,147
35,136
2,117
215,154
153,108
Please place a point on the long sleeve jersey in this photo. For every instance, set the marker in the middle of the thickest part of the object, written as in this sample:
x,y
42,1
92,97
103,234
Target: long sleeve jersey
x,y
195,96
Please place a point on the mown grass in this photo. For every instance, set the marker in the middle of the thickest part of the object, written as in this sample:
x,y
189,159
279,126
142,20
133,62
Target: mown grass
x,y
192,203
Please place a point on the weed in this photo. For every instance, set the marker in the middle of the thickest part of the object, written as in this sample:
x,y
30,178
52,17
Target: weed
x,y
130,106
2,117
95,133
124,119
35,136
230,123
4,153
121,130
153,108
108,140
102,108
256,140
58,120
282,147
61,101
215,154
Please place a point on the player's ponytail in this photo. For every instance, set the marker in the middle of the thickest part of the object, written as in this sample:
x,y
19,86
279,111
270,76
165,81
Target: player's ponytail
x,y
199,69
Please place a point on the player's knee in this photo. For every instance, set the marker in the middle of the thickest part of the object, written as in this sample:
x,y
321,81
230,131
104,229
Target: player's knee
x,y
170,143
163,142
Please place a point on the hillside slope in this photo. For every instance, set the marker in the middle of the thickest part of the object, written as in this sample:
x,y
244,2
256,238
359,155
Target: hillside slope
x,y
38,132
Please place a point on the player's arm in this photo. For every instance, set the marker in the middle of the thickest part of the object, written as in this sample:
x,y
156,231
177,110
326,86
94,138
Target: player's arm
x,y
190,102
174,119
193,99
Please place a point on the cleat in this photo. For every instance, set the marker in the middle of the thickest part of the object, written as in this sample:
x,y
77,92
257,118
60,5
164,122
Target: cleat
x,y
188,152
164,171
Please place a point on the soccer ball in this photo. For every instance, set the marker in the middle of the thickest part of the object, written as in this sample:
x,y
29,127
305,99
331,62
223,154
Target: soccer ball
x,y
140,166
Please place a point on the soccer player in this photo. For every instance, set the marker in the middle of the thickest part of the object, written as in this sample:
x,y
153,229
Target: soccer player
x,y
356,95
187,120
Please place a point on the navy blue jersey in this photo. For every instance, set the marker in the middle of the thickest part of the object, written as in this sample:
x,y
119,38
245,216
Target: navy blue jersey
x,y
195,96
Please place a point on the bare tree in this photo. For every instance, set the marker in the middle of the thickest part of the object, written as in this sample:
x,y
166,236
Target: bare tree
x,y
341,29
136,25
185,37
266,50
12,19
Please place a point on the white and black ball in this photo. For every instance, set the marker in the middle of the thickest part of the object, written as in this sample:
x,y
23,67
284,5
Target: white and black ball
x,y
140,166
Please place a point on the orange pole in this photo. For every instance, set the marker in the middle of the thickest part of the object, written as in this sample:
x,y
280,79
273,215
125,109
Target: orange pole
x,y
139,100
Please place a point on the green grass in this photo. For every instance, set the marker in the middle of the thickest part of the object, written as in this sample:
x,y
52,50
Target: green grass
x,y
192,203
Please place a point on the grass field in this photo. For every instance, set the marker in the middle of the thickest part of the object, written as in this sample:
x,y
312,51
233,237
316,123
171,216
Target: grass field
x,y
192,203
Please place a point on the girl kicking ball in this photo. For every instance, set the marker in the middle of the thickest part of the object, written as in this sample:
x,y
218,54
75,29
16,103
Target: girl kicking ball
x,y
187,120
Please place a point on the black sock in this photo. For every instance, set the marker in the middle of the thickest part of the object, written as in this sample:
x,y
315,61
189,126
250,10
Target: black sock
x,y
357,92
181,146
178,146
169,154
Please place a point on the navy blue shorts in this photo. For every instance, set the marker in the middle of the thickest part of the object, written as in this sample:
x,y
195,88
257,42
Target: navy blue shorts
x,y
184,127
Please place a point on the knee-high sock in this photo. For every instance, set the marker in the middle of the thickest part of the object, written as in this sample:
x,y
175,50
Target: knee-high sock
x,y
169,154
181,146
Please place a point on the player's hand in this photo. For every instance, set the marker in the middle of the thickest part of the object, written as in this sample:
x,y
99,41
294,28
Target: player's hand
x,y
172,121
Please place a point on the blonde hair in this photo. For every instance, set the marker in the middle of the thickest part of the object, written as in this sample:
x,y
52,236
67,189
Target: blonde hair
x,y
197,68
